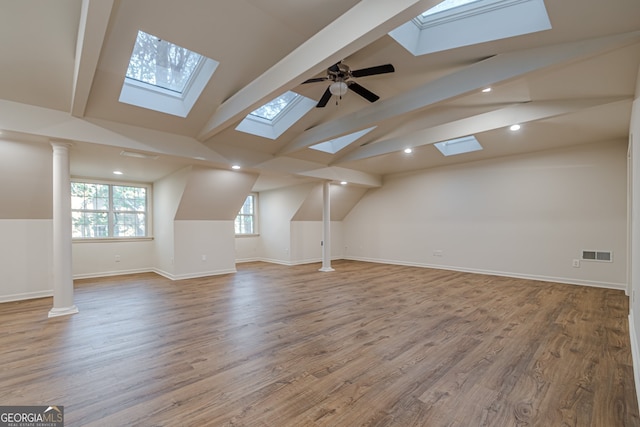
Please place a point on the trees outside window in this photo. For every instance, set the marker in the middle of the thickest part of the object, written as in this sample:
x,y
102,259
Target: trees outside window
x,y
101,210
246,221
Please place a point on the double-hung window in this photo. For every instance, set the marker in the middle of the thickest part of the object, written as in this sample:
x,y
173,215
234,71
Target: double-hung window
x,y
246,221
105,210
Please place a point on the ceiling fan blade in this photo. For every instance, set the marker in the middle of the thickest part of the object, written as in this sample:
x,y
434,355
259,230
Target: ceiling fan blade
x,y
365,93
315,80
326,96
380,69
335,67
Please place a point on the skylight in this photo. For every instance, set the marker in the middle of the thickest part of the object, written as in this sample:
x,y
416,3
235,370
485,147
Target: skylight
x,y
445,5
273,108
466,144
165,77
334,145
457,23
161,63
276,116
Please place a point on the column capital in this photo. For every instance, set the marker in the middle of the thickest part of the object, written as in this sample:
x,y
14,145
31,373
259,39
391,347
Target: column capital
x,y
60,143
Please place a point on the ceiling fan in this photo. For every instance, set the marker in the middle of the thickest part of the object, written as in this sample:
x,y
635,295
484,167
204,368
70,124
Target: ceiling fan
x,y
340,75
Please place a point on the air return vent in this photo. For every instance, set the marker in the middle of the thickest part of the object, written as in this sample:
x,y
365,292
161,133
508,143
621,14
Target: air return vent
x,y
605,256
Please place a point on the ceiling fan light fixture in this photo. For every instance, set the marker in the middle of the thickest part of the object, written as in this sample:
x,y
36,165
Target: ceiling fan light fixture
x,y
338,88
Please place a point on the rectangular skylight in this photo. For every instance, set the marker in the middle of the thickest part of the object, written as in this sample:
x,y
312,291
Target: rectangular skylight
x,y
466,144
457,23
334,145
272,109
165,77
276,116
446,5
161,63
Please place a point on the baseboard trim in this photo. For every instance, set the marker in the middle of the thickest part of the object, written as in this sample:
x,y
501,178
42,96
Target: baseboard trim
x,y
112,273
564,280
193,275
26,296
635,355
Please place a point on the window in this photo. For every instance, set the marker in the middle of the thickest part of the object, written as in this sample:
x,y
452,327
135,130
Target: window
x,y
463,145
273,108
441,7
160,63
276,116
165,77
334,145
101,210
456,23
246,221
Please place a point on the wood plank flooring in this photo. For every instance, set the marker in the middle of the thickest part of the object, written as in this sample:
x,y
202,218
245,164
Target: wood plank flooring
x,y
365,345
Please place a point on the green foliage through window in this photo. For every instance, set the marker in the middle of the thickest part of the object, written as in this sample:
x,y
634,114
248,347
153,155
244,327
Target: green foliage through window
x,y
161,63
246,220
108,210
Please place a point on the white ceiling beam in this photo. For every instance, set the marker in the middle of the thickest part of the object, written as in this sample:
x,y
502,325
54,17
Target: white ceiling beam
x,y
366,22
516,114
500,68
94,19
334,173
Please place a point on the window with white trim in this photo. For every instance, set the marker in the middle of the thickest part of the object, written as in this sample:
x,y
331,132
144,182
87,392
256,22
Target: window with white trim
x,y
107,210
247,219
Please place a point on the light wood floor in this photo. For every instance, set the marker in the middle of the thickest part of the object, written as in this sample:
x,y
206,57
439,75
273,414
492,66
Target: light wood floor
x,y
368,344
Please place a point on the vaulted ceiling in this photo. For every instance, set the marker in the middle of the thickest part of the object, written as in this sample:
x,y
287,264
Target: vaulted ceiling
x,y
63,65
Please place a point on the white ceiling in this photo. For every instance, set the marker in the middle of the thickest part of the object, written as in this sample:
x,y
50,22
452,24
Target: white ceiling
x,y
569,85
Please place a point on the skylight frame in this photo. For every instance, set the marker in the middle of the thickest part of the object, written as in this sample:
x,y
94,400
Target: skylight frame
x,y
283,111
457,146
272,129
335,145
473,23
442,7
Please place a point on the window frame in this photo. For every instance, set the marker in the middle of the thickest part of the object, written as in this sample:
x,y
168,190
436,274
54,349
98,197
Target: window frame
x,y
254,215
110,212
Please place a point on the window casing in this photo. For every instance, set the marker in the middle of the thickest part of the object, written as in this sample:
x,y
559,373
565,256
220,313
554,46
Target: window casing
x,y
101,210
246,222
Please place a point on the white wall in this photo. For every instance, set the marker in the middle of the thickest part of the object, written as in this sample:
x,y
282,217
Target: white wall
x,y
167,193
96,259
203,248
306,237
277,208
522,216
248,248
26,254
26,225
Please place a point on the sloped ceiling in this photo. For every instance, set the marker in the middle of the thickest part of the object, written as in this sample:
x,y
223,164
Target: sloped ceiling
x,y
65,65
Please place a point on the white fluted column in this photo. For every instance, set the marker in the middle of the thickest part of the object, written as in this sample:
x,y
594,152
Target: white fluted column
x,y
62,273
326,227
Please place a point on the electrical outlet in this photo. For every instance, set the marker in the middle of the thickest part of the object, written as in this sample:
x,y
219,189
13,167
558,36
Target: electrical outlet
x,y
204,258
437,253
576,263
117,258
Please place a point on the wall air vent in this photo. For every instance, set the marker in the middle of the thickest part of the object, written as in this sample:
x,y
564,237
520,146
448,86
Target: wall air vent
x,y
605,256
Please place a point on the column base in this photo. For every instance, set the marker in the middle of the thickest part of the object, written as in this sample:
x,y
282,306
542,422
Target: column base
x,y
56,312
327,269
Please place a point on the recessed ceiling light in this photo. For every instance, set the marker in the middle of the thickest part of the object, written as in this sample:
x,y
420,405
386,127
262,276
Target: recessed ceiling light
x,y
408,150
235,167
117,172
486,90
343,182
514,127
